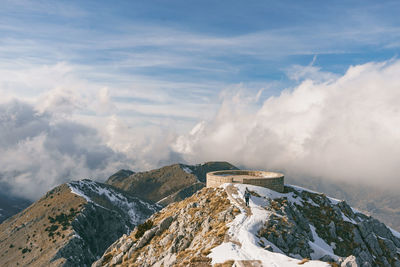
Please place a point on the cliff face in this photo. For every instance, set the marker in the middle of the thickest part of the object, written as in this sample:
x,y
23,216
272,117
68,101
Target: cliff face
x,y
214,227
71,225
167,184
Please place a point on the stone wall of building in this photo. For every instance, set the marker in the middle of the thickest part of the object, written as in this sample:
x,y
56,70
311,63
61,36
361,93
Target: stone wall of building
x,y
271,180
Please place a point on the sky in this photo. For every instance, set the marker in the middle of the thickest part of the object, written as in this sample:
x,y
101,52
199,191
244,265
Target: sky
x,y
310,88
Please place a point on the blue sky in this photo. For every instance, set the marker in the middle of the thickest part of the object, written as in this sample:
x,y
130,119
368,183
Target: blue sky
x,y
151,79
199,41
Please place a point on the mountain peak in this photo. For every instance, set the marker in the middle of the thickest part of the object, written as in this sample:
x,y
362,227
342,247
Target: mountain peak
x,y
120,175
170,183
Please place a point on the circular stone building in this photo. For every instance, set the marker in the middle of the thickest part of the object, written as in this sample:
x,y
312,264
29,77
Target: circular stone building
x,y
271,180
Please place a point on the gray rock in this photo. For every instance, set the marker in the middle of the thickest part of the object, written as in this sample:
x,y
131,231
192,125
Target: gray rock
x,y
117,259
175,243
358,239
327,258
332,229
164,224
166,239
183,244
350,261
373,244
346,209
126,245
148,235
174,226
391,247
98,263
281,244
131,251
364,259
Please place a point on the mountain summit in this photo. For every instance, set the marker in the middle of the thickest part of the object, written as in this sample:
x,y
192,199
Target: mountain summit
x,y
214,227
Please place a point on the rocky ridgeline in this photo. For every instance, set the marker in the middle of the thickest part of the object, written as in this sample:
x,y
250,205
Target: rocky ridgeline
x,y
307,227
353,238
181,234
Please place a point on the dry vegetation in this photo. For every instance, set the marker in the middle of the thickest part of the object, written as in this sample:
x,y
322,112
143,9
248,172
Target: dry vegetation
x,y
34,236
191,212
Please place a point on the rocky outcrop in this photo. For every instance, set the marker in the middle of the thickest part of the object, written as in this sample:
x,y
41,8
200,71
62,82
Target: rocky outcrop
x,y
169,183
353,238
181,234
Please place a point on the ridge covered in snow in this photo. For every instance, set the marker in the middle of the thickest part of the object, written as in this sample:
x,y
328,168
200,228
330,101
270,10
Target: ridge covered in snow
x,y
133,206
214,226
248,229
244,230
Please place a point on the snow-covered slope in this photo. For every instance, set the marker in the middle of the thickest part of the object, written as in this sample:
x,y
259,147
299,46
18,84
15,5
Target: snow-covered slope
x,y
247,244
107,197
214,226
304,224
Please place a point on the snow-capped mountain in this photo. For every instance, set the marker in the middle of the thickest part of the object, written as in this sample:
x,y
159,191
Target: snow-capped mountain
x,y
214,227
71,225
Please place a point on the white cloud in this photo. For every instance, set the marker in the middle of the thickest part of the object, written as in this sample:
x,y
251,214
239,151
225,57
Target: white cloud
x,y
342,128
345,129
38,152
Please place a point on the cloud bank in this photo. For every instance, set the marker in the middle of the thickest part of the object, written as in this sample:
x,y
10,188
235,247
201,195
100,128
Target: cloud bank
x,y
38,152
338,127
342,128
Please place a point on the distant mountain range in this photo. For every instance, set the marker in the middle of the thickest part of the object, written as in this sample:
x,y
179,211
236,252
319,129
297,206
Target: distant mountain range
x,y
11,205
379,203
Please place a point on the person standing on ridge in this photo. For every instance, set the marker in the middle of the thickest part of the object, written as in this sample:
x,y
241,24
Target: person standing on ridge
x,y
247,196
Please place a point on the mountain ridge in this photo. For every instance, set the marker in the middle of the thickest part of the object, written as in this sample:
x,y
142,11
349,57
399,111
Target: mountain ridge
x,y
169,183
214,227
71,225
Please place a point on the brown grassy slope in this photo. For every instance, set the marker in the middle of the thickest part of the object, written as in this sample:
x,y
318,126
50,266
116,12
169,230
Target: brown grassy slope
x,y
33,237
157,184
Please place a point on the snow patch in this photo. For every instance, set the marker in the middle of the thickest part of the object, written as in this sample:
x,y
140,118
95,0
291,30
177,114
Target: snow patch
x,y
117,199
77,191
320,247
187,170
347,219
244,229
394,232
